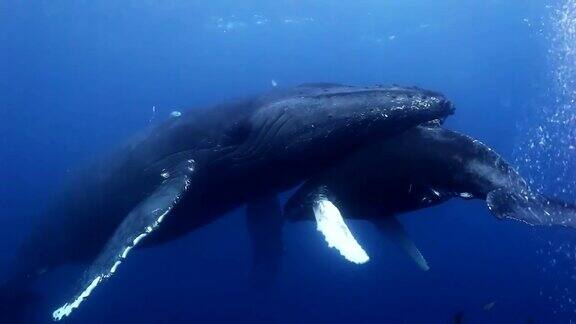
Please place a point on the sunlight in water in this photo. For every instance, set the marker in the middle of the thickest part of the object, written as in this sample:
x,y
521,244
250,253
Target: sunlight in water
x,y
330,223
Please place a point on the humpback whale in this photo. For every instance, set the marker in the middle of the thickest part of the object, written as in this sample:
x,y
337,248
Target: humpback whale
x,y
191,169
422,167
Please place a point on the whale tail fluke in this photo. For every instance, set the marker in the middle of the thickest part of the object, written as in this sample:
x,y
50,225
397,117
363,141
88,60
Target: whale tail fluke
x,y
533,209
16,301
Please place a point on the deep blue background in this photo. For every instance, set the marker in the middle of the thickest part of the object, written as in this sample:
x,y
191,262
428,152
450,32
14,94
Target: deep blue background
x,y
77,77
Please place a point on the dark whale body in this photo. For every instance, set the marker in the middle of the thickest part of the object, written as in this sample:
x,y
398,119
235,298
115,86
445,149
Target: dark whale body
x,y
422,167
192,169
419,168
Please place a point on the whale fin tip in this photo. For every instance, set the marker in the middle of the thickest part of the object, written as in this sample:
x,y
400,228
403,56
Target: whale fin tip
x,y
139,223
396,232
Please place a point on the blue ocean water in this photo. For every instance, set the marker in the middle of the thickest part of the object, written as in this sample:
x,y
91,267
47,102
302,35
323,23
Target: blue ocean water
x,y
78,77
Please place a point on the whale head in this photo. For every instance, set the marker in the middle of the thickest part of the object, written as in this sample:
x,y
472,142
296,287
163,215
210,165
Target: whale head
x,y
323,121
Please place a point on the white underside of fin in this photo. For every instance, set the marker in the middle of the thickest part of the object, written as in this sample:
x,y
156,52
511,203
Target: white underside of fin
x,y
330,223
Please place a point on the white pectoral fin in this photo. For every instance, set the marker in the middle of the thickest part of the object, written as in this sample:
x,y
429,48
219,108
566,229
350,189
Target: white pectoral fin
x,y
396,232
139,223
330,223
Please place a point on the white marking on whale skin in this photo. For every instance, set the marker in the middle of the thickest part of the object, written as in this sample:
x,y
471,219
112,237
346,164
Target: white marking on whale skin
x,y
139,238
487,172
115,266
465,195
125,252
330,223
68,308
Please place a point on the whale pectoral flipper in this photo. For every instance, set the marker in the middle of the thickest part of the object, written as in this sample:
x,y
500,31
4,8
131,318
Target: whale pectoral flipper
x,y
140,222
264,222
396,232
533,209
330,223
